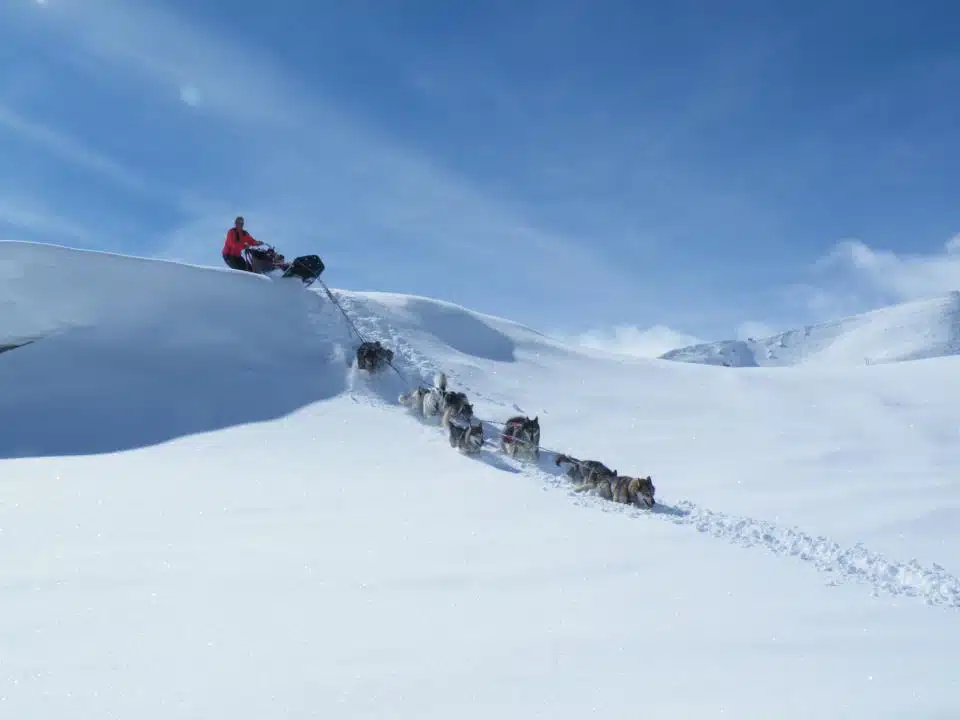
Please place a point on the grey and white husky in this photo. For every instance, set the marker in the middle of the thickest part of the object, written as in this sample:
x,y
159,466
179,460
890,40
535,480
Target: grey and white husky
x,y
427,401
466,438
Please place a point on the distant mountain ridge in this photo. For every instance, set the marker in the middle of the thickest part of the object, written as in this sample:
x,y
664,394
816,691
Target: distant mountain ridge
x,y
909,331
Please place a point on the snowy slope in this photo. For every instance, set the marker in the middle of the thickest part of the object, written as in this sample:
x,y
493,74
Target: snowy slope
x,y
328,555
909,331
130,352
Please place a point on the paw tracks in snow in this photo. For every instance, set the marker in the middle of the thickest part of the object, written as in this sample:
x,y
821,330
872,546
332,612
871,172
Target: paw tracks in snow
x,y
934,584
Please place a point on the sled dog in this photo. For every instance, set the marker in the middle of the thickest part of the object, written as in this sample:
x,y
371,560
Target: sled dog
x,y
597,477
372,355
468,439
415,399
521,437
637,491
457,410
435,402
582,470
427,401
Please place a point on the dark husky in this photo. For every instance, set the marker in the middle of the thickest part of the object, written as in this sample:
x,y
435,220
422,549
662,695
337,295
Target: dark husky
x,y
592,475
457,410
521,437
372,356
467,438
584,470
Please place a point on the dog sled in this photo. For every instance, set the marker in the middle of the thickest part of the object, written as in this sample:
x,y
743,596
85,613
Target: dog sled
x,y
264,259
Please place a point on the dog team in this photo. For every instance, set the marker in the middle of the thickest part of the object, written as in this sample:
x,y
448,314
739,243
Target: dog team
x,y
521,439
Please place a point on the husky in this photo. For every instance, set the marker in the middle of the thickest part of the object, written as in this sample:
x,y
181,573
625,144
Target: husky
x,y
427,401
521,437
594,476
582,471
468,439
371,356
435,402
637,491
457,410
415,399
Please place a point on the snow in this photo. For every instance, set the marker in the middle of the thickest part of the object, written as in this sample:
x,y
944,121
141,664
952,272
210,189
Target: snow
x,y
206,513
914,330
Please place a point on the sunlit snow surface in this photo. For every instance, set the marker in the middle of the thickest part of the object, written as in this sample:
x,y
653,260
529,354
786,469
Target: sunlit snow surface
x,y
204,512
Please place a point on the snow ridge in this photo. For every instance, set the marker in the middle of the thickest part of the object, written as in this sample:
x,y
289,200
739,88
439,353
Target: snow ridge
x,y
909,331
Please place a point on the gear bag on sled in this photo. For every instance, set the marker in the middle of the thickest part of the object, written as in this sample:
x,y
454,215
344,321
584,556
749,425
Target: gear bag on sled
x,y
372,356
305,267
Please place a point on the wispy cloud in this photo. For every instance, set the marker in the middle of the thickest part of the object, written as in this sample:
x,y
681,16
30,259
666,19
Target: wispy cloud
x,y
30,217
630,340
76,152
855,277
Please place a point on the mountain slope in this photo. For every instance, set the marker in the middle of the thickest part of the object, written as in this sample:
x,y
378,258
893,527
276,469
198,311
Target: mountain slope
x,y
909,331
336,558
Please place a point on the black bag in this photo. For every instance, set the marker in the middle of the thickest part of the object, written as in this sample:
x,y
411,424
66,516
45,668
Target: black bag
x,y
306,267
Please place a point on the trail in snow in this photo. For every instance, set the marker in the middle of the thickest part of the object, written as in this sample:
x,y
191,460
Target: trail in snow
x,y
414,365
934,585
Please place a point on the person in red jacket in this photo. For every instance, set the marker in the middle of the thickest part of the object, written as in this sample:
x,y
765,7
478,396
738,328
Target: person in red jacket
x,y
237,240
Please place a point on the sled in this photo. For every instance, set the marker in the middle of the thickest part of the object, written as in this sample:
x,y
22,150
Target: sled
x,y
264,259
373,357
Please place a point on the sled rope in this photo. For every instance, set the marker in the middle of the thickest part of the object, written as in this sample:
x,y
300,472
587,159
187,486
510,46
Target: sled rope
x,y
340,308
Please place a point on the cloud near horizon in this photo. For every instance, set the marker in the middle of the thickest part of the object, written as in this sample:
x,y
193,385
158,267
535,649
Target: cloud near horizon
x,y
854,278
636,342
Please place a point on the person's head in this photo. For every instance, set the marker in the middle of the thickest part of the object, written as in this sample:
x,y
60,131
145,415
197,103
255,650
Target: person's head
x,y
238,223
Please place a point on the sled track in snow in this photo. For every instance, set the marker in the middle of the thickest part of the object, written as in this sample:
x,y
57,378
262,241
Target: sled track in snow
x,y
933,584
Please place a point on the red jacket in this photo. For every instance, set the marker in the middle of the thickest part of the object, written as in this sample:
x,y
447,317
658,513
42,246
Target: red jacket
x,y
234,245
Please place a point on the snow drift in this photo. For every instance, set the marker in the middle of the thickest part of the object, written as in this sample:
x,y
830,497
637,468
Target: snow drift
x,y
909,331
125,352
279,539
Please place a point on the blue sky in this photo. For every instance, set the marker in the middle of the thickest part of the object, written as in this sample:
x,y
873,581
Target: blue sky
x,y
622,169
